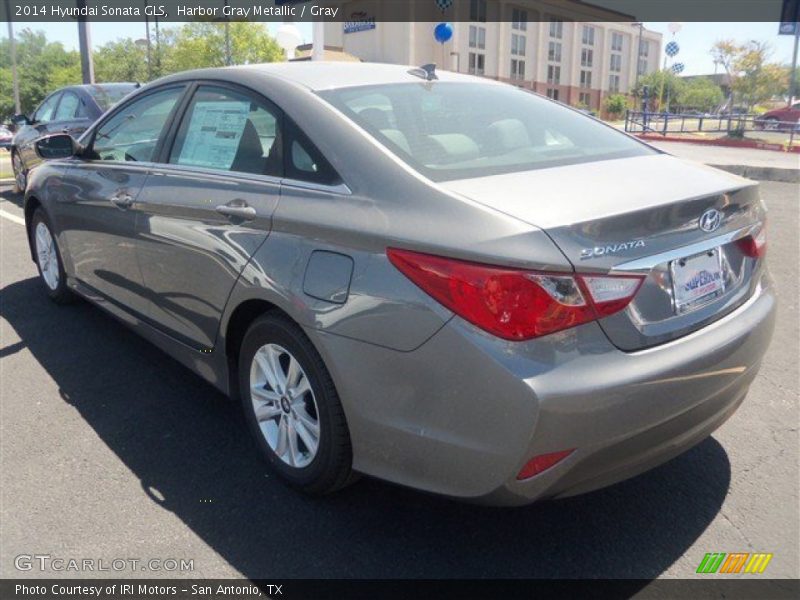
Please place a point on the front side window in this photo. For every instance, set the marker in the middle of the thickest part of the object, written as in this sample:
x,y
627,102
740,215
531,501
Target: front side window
x,y
44,114
230,131
132,133
450,130
68,107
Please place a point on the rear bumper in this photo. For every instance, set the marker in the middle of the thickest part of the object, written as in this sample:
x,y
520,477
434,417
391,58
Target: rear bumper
x,y
463,413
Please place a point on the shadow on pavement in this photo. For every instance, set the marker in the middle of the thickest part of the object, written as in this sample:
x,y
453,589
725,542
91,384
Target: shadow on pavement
x,y
187,445
8,194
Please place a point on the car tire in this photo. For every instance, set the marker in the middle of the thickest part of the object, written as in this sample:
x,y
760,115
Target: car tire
x,y
48,259
20,173
771,124
293,410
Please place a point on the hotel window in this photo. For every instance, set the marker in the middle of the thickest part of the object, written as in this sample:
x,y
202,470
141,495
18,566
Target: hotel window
x,y
586,79
517,44
642,66
477,37
553,74
477,11
585,98
556,28
517,69
616,62
552,93
519,19
616,42
613,83
588,35
477,63
587,57
554,52
644,48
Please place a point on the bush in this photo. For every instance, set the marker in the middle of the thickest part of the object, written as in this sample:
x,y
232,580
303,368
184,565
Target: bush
x,y
615,104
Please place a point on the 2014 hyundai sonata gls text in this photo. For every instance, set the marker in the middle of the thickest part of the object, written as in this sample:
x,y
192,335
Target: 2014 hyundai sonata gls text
x,y
434,279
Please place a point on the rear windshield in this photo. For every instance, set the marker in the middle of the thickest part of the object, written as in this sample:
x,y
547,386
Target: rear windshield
x,y
107,96
459,130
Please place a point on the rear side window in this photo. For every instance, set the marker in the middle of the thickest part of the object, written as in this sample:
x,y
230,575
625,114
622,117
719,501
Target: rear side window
x,y
132,133
68,107
230,131
304,162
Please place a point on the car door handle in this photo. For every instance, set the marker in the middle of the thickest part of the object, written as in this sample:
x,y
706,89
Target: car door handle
x,y
122,200
239,212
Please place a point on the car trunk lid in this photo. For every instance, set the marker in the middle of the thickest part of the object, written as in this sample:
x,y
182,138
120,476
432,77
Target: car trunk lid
x,y
642,215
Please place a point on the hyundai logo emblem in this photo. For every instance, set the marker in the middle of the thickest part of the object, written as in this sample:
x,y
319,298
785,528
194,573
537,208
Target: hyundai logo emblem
x,y
710,220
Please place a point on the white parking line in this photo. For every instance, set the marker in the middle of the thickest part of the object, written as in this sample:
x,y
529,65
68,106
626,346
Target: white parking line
x,y
12,218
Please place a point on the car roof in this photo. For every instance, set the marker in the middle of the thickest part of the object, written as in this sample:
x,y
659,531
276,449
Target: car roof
x,y
325,75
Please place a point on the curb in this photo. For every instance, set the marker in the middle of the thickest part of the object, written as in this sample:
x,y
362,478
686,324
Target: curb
x,y
721,142
762,173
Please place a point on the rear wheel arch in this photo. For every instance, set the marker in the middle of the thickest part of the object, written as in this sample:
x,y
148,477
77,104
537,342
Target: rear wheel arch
x,y
244,315
31,204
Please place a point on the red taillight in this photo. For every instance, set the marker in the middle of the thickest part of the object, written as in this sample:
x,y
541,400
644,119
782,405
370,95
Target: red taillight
x,y
541,463
755,244
511,303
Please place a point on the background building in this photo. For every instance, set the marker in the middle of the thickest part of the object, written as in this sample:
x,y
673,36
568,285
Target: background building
x,y
528,43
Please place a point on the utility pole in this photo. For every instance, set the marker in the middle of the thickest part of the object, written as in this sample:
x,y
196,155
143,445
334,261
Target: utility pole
x,y
228,59
639,55
318,47
793,76
13,51
147,37
85,43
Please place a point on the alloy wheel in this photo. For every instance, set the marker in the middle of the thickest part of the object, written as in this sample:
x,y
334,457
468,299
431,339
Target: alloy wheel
x,y
284,405
20,177
47,256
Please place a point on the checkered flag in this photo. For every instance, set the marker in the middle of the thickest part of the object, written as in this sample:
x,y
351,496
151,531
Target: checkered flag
x,y
444,4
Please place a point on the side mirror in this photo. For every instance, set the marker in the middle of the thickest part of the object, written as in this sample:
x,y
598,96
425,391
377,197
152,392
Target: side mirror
x,y
59,145
20,120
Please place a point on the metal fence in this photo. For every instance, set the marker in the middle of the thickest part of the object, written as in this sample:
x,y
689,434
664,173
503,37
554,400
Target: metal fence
x,y
666,123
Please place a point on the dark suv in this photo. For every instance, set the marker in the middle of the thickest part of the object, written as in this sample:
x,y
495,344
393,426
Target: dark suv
x,y
68,110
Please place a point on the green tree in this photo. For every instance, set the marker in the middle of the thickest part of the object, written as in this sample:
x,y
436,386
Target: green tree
x,y
753,78
202,44
122,60
661,85
700,93
615,104
42,67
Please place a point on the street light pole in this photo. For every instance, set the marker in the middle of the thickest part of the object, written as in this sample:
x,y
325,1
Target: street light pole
x,y
13,51
85,44
639,56
793,76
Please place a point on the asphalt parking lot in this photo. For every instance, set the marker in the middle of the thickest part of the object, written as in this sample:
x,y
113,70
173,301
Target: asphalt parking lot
x,y
110,449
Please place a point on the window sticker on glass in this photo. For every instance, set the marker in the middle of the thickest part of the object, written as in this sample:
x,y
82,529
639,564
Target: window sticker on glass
x,y
215,130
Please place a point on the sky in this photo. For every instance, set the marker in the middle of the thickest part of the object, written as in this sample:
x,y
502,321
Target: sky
x,y
694,39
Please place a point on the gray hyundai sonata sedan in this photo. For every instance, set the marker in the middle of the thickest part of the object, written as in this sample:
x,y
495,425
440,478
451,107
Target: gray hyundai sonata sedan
x,y
434,279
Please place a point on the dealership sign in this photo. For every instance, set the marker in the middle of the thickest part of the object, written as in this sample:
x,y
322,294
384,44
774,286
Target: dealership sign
x,y
359,21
